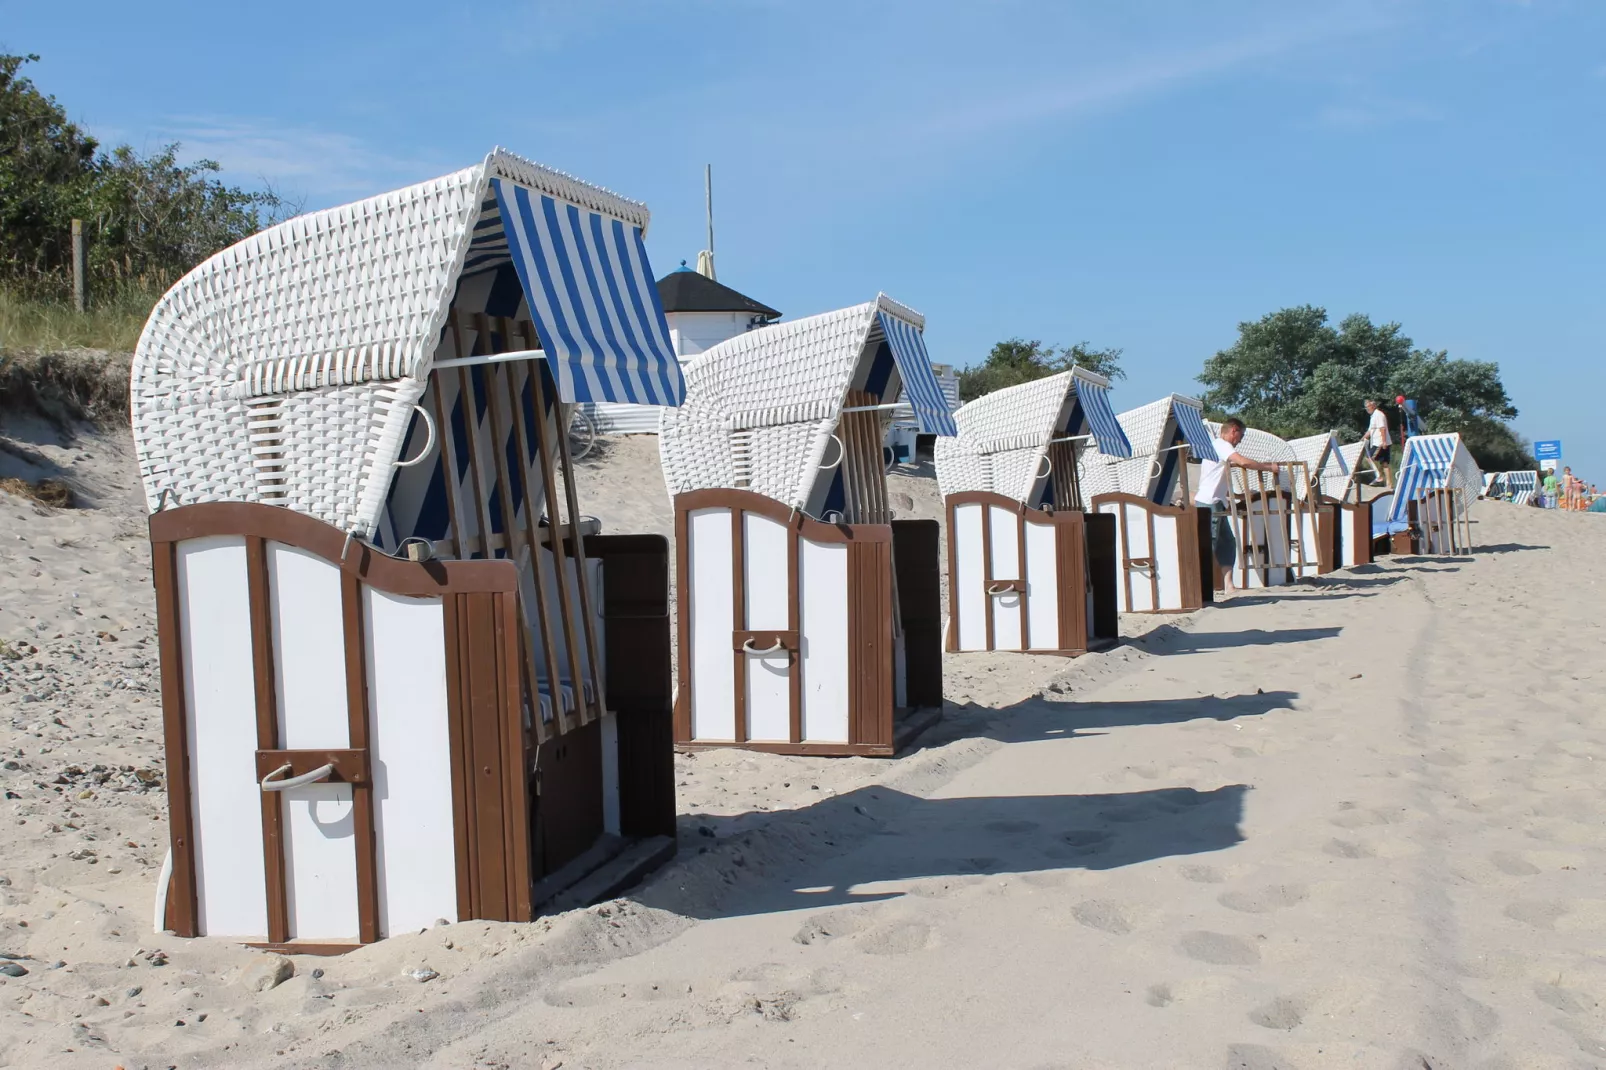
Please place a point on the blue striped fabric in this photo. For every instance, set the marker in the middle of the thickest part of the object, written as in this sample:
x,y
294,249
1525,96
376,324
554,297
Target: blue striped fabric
x,y
1095,405
1190,421
591,294
1425,465
920,387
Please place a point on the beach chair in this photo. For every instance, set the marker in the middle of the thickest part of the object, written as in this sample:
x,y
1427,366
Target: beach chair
x,y
1321,526
1028,569
1437,485
1274,517
385,626
1162,540
809,619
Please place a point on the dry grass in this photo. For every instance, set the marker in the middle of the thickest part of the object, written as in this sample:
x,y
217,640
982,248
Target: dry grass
x,y
113,322
51,492
63,387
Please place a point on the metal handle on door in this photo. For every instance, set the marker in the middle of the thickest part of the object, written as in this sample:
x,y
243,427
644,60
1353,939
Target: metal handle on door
x,y
1001,588
270,784
749,648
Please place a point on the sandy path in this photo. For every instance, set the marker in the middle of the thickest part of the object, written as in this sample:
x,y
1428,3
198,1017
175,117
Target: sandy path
x,y
1356,824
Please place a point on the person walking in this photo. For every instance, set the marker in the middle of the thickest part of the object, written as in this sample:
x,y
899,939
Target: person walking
x,y
1378,440
1214,488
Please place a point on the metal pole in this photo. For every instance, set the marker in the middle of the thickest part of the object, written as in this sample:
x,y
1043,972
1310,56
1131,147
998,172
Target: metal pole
x,y
708,204
79,297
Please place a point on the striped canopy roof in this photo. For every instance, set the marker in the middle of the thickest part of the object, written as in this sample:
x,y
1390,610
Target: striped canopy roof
x,y
1433,462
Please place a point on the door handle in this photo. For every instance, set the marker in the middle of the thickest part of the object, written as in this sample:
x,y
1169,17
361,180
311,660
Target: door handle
x,y
270,784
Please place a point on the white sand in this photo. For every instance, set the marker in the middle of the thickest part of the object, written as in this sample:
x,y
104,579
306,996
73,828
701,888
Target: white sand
x,y
1356,823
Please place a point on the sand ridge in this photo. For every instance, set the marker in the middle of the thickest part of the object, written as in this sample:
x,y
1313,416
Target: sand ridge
x,y
1353,822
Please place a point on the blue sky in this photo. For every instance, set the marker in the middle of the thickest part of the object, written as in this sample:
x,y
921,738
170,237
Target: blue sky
x,y
1137,174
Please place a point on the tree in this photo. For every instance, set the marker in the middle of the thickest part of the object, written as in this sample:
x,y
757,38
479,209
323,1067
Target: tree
x,y
46,166
1016,360
1292,374
149,218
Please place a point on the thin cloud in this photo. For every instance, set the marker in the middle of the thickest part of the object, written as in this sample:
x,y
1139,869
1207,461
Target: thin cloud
x,y
322,166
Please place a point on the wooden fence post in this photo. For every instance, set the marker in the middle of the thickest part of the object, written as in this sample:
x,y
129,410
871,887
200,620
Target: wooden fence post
x,y
79,297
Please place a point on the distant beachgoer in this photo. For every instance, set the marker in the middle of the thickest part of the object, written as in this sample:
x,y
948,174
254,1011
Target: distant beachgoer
x,y
1378,440
1550,486
1214,489
1572,489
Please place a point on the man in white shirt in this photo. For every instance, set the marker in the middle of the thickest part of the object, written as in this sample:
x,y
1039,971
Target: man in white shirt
x,y
1214,490
1377,440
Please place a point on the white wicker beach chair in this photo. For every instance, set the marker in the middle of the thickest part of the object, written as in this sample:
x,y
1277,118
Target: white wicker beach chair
x,y
384,621
808,616
1028,569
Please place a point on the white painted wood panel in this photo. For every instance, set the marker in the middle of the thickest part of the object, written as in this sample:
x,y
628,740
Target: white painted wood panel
x,y
1168,559
1004,532
410,753
1042,587
968,593
310,676
1310,541
823,579
765,590
713,677
1137,533
220,704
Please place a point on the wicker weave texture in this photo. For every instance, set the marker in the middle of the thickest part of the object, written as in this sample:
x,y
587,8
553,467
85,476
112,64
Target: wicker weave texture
x,y
1002,438
1145,426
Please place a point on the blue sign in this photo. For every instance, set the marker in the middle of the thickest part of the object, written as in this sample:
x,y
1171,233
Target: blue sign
x,y
1548,451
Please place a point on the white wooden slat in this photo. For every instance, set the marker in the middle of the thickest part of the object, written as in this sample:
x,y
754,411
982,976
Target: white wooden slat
x,y
310,674
765,592
220,704
1168,559
1137,533
968,592
1042,587
823,579
1004,532
410,753
710,594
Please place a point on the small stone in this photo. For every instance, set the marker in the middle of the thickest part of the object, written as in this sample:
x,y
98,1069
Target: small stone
x,y
267,972
134,991
58,964
317,973
13,969
422,974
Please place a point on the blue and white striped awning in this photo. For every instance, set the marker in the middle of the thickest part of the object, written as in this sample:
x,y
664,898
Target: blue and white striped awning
x,y
1429,462
920,387
591,294
1093,405
1190,421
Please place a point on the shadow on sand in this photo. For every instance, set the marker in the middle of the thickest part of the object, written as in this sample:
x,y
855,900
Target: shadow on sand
x,y
875,834
1169,639
837,850
1506,548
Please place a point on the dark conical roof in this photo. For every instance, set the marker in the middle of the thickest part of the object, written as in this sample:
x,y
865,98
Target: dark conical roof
x,y
688,291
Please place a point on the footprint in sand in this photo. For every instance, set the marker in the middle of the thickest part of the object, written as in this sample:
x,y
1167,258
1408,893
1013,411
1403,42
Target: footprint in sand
x,y
1086,841
1202,874
1160,996
1538,913
1348,849
898,938
1564,1000
1513,864
1255,1057
1263,900
1280,1013
823,927
1355,819
1104,915
1219,949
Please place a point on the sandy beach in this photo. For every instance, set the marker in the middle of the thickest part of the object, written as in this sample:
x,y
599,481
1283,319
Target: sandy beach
x,y
1354,822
